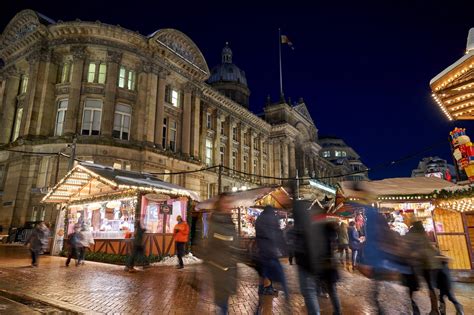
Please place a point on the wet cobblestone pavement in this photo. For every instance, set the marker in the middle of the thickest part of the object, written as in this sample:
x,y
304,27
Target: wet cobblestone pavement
x,y
103,288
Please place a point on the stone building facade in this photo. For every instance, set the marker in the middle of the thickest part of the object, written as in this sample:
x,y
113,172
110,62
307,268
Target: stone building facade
x,y
134,102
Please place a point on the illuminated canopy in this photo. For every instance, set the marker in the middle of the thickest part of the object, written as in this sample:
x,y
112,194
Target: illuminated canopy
x,y
453,88
88,180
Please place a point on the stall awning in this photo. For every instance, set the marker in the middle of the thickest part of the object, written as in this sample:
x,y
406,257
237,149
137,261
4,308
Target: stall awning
x,y
399,186
87,180
278,197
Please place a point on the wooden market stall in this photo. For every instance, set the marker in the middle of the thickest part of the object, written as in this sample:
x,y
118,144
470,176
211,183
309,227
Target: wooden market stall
x,y
247,205
405,200
112,202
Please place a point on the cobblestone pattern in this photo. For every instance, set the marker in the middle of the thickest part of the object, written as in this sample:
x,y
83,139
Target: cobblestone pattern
x,y
103,288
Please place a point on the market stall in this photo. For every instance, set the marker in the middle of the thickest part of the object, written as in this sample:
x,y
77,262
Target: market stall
x,y
247,205
405,200
112,202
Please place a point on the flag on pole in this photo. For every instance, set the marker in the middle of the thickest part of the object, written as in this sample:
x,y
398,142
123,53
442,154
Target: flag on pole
x,y
286,40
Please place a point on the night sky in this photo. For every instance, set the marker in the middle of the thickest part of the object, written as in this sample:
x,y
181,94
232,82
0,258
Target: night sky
x,y
362,67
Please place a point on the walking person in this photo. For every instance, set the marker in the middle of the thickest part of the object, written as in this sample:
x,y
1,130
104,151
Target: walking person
x,y
444,284
138,250
343,244
290,243
181,237
74,246
354,243
87,240
38,242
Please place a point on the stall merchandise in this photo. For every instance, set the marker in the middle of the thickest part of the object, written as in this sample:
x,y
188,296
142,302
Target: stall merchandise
x,y
111,201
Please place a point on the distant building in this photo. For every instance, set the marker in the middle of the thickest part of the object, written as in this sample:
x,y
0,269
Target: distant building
x,y
344,157
434,167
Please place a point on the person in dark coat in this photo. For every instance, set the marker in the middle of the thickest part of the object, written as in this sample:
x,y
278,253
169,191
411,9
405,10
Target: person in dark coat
x,y
343,243
354,242
74,243
38,242
271,244
444,284
290,242
138,250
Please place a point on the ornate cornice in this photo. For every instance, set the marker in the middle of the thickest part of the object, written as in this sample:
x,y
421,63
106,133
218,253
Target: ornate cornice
x,y
114,56
78,52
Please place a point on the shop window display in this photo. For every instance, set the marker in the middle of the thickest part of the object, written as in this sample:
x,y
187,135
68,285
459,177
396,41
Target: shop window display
x,y
108,219
159,214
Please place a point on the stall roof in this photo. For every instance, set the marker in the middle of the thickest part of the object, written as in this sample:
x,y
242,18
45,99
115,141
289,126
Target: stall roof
x,y
276,196
400,186
88,180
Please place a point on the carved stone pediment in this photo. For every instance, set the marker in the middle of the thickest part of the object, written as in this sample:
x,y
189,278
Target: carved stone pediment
x,y
303,110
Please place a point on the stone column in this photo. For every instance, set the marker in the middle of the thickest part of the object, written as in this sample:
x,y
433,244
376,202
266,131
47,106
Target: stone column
x,y
252,152
113,61
12,85
271,161
47,104
311,166
203,132
139,116
186,123
230,140
217,138
73,107
243,130
277,162
160,107
261,161
285,156
292,160
195,124
29,104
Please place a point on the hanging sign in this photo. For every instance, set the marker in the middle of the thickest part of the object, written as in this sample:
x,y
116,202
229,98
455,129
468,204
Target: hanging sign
x,y
166,209
157,197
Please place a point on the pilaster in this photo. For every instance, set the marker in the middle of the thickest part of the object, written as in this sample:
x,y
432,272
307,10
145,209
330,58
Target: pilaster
x,y
186,122
7,117
72,113
113,61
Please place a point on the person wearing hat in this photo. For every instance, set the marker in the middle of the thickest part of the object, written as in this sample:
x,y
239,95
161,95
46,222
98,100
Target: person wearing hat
x,y
181,237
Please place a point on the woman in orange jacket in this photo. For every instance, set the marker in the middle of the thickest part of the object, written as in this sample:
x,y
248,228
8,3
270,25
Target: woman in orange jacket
x,y
181,236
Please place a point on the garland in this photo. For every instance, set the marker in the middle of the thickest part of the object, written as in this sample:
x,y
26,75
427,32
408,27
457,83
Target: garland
x,y
441,194
107,197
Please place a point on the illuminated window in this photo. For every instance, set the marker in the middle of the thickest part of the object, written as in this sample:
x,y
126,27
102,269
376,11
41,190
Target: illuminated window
x,y
337,153
255,166
91,118
23,84
91,72
122,75
102,73
208,152
234,133
60,117
343,153
131,80
244,168
122,119
175,98
326,153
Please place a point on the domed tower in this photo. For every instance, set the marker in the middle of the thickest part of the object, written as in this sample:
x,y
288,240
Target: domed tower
x,y
228,79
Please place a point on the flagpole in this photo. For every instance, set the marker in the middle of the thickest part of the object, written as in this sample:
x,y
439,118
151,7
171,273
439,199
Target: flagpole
x,y
279,54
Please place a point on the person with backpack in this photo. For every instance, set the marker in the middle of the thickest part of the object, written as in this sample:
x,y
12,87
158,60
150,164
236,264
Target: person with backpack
x,y
74,246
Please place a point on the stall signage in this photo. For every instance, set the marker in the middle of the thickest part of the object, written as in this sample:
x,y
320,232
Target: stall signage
x,y
166,209
157,197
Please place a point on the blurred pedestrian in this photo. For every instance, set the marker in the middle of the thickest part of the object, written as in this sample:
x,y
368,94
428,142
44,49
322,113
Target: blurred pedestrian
x,y
181,237
354,242
306,272
271,244
430,266
87,240
222,254
444,284
343,244
74,243
138,250
38,242
289,239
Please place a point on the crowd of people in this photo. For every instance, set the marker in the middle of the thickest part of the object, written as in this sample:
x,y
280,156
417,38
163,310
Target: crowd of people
x,y
319,247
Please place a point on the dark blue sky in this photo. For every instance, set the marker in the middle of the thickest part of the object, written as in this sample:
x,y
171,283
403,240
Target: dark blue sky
x,y
362,67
